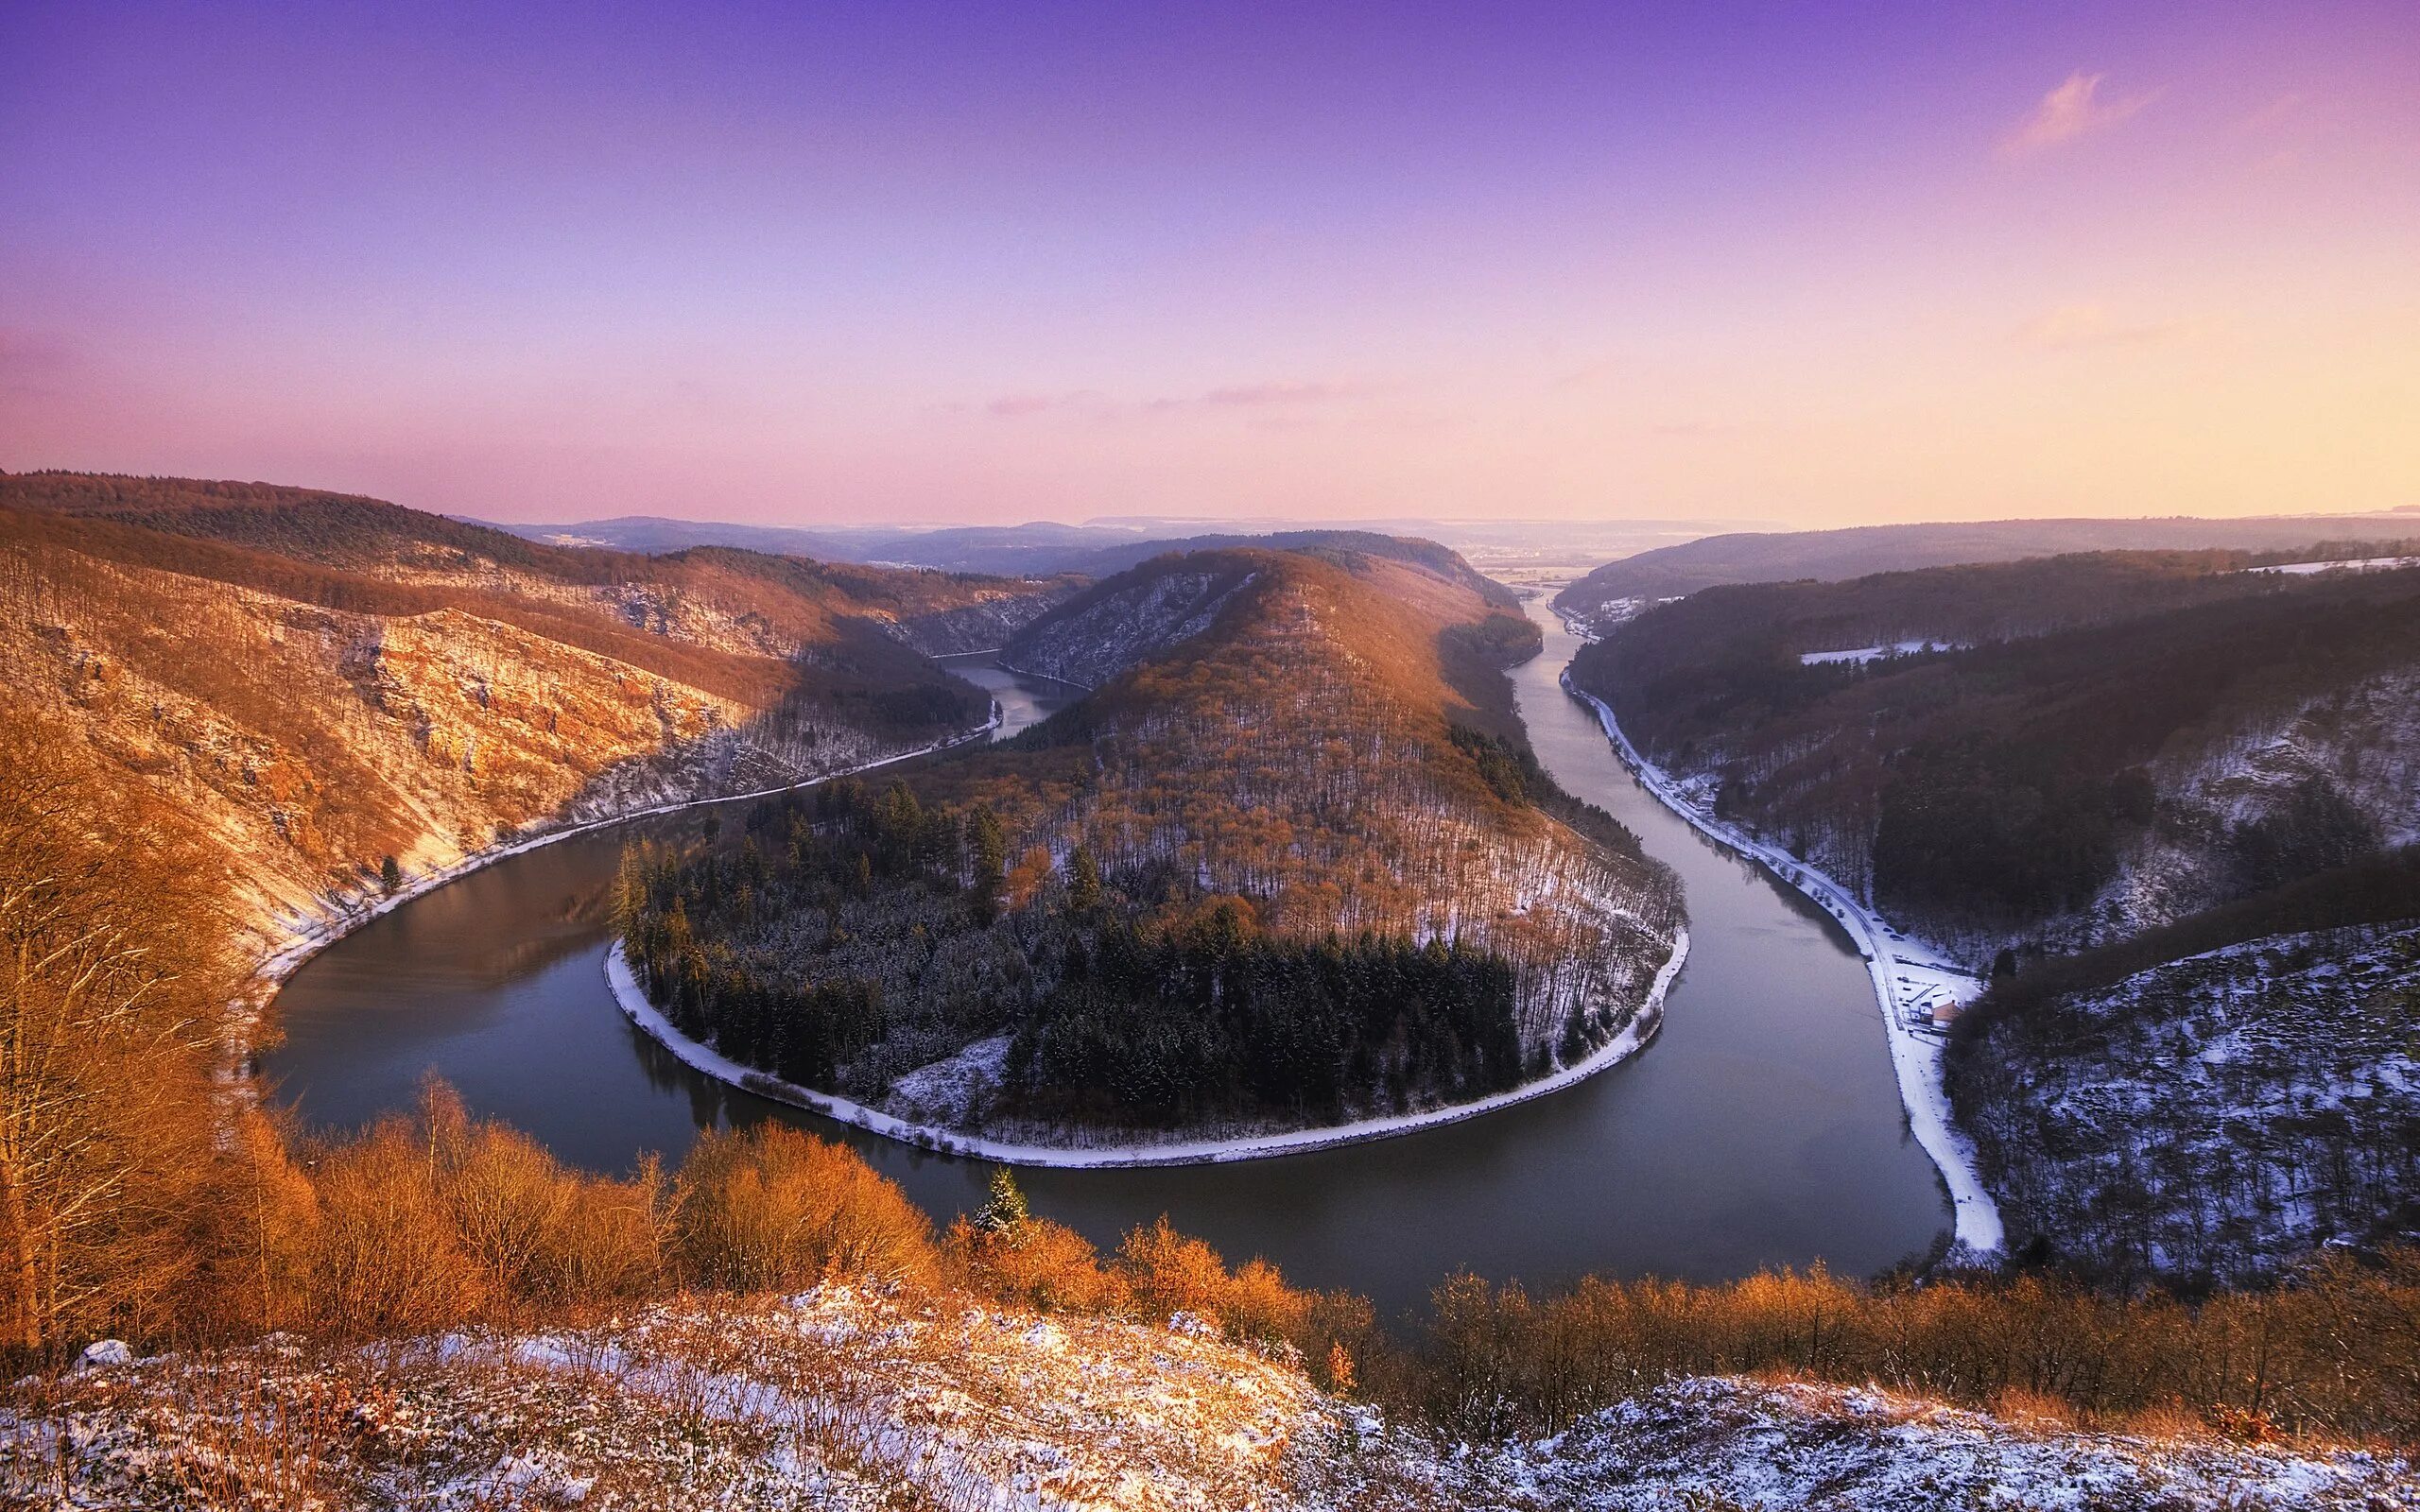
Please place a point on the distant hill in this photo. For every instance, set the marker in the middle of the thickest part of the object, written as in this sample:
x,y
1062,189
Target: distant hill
x,y
1289,863
1039,549
1670,571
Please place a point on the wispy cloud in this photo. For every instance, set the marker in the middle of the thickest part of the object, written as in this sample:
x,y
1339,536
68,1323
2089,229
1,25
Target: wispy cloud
x,y
1290,394
1280,391
1266,400
2073,111
2072,327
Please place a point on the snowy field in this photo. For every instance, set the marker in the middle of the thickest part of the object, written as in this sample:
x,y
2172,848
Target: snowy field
x,y
2359,564
1911,982
1875,653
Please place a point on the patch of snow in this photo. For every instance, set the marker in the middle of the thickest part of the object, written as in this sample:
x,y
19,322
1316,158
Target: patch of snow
x,y
103,1354
1875,653
2358,564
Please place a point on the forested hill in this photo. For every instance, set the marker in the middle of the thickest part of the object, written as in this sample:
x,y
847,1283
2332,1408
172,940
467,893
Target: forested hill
x,y
297,685
1108,627
1289,863
1671,571
2127,739
2204,779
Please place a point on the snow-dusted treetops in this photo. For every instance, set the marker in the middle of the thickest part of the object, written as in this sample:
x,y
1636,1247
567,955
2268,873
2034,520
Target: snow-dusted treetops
x,y
1289,863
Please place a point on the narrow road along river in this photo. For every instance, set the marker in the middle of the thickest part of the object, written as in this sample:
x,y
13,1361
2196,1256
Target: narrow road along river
x,y
1761,1127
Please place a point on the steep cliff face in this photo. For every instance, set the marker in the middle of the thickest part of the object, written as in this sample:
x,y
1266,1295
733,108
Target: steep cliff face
x,y
311,684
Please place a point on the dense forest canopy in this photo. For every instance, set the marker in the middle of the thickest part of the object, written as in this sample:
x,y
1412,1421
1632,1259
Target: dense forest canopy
x,y
1293,864
2082,710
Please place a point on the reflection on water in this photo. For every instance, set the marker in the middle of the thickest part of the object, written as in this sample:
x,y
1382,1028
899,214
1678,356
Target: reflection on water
x,y
1761,1127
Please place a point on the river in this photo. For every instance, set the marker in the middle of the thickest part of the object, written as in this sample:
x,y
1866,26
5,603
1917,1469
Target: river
x,y
1761,1127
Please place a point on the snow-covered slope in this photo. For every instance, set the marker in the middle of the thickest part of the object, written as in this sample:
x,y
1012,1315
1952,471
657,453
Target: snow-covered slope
x,y
2212,1118
2355,748
1725,1442
1135,616
985,624
842,1399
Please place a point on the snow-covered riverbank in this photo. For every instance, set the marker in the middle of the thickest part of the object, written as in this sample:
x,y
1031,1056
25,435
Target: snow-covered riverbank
x,y
704,1058
1909,979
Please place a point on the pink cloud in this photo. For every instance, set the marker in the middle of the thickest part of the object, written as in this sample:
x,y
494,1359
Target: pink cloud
x,y
1281,391
2074,326
1017,406
2069,113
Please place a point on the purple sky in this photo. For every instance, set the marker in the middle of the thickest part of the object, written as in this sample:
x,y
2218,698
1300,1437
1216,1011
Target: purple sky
x,y
967,261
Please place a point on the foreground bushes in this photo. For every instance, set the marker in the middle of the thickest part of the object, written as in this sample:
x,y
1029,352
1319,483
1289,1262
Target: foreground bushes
x,y
435,1221
2334,1353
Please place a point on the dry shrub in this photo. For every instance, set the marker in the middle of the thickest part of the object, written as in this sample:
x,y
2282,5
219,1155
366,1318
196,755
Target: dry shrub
x,y
1258,1307
1007,1253
388,1257
263,1243
1037,1264
771,1208
537,1232
2166,1420
1168,1273
424,1223
2334,1353
1172,1273
2022,1407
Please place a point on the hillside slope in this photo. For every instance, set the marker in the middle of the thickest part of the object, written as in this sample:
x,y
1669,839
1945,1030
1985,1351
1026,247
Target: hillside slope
x,y
2206,779
310,684
1288,866
1672,572
2210,1120
2128,741
850,1399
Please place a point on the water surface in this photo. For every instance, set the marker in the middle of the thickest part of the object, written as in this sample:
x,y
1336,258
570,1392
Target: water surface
x,y
1761,1126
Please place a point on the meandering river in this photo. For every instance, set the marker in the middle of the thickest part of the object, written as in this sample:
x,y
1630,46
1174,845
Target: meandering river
x,y
1761,1127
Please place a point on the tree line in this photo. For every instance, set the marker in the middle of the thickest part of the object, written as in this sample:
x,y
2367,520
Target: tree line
x,y
1141,1001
